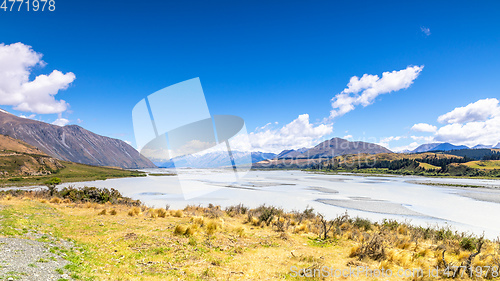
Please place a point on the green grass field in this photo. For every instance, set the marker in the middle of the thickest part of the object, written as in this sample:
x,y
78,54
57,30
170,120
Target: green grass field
x,y
72,172
484,164
428,166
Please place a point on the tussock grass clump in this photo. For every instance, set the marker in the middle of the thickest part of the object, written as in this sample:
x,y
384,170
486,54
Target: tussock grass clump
x,y
134,211
211,227
42,200
199,220
178,214
162,213
103,212
179,229
55,200
113,212
191,230
153,214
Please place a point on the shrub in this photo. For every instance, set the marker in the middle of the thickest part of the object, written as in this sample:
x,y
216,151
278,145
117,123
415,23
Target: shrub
x,y
468,243
372,247
236,210
362,223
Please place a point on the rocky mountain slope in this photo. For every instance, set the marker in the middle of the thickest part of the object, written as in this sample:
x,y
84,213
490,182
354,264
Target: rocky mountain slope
x,y
72,143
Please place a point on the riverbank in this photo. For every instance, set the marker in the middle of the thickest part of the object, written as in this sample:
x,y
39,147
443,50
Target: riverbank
x,y
126,241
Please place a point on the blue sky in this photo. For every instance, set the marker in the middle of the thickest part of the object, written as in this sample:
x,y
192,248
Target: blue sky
x,y
273,61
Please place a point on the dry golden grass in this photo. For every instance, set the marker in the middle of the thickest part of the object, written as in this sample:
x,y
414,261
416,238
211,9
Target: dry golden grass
x,y
178,214
134,211
193,247
55,200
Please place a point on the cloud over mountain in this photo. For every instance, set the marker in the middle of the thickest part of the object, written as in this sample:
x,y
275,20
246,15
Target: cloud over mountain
x,y
470,125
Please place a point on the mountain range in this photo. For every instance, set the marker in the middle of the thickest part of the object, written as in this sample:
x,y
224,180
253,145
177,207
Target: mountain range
x,y
327,149
72,143
214,160
448,146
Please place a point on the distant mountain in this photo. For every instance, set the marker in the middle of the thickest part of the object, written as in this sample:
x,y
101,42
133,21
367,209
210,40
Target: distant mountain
x,y
425,147
448,146
214,160
497,146
72,143
479,146
327,149
259,156
438,147
291,153
337,146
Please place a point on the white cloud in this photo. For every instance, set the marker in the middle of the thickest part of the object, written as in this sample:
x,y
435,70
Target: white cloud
x,y
423,138
423,127
60,122
425,30
38,96
347,137
297,134
409,147
385,141
471,133
28,117
480,110
364,90
476,123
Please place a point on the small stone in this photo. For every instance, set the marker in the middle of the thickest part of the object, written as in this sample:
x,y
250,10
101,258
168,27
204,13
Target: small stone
x,y
10,279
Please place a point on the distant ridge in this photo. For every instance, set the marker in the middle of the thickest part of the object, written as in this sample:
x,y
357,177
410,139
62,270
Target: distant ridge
x,y
214,160
291,153
327,149
438,147
72,143
337,146
480,146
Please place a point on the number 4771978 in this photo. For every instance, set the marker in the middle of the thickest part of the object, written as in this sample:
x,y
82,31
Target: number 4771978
x,y
29,5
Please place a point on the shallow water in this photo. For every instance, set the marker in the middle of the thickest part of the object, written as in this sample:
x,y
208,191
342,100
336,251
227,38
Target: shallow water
x,y
390,197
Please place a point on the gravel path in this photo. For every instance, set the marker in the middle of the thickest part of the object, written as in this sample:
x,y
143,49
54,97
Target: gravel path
x,y
24,259
31,260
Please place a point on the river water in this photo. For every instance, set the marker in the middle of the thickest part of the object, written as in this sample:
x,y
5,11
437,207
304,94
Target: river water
x,y
404,198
